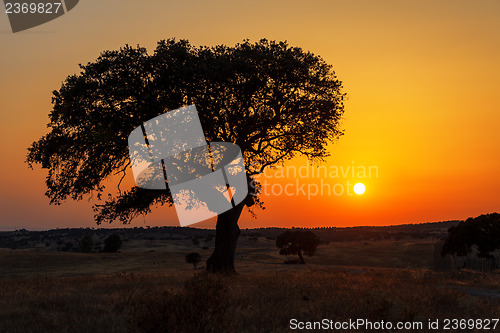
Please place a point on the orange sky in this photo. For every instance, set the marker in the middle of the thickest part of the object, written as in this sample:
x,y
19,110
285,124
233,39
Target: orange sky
x,y
422,79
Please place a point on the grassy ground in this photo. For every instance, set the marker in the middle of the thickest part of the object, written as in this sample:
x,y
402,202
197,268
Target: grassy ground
x,y
257,302
250,257
142,291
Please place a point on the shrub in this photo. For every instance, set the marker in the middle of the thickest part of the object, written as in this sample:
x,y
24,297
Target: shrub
x,y
112,244
86,244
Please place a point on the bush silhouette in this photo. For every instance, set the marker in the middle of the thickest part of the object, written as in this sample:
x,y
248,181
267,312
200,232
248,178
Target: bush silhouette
x,y
112,244
193,258
298,242
86,244
482,231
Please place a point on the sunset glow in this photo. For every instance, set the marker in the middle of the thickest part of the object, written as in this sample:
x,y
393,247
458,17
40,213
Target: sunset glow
x,y
359,188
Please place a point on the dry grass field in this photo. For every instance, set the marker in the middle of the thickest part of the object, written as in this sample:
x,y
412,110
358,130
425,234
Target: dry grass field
x,y
144,289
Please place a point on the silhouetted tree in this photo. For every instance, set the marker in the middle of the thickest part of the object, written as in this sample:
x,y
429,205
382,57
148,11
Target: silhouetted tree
x,y
86,244
193,258
298,242
273,100
112,244
482,231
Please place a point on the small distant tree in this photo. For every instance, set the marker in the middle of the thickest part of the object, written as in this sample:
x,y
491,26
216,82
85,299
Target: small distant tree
x,y
482,231
298,242
86,244
113,243
193,258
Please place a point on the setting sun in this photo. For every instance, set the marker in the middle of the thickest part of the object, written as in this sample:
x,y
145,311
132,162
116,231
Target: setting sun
x,y
359,188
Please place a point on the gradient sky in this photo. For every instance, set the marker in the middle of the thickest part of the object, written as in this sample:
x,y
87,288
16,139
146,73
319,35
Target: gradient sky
x,y
422,79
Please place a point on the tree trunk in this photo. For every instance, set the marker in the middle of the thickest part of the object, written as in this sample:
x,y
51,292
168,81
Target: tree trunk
x,y
301,257
226,237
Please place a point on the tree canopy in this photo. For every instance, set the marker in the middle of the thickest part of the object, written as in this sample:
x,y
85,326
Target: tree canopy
x,y
298,242
273,100
112,244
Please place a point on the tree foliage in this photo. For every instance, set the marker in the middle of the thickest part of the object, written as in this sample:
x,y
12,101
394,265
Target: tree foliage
x,y
298,242
273,100
482,231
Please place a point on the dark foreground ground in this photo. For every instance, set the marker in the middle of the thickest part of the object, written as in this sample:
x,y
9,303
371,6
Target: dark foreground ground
x,y
156,291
